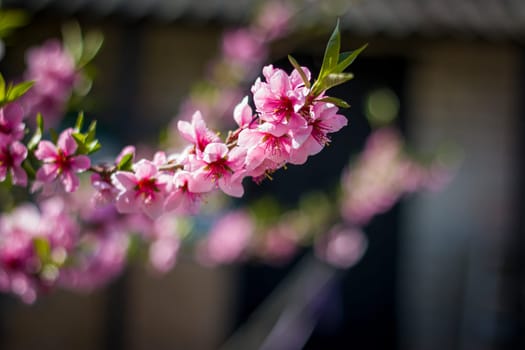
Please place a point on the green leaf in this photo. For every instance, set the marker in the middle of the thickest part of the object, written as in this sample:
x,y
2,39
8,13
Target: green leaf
x,y
125,162
73,40
92,43
90,136
300,70
335,79
336,101
54,135
80,122
347,58
2,88
331,54
81,143
14,92
37,136
10,20
93,146
31,173
42,248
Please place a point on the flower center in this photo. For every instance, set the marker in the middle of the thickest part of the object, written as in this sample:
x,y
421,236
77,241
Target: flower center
x,y
147,188
62,161
6,160
218,168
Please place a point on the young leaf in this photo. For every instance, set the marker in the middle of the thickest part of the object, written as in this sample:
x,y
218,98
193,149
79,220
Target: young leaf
x,y
336,101
93,146
14,92
73,40
335,79
42,248
90,136
347,58
2,88
33,142
92,44
300,70
331,54
81,143
125,162
80,122
10,20
31,173
54,135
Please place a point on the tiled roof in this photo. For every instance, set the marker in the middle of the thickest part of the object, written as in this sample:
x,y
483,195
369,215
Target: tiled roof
x,y
487,18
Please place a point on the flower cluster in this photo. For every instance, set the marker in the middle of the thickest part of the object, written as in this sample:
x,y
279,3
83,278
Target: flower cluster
x,y
12,151
33,246
289,125
383,173
53,70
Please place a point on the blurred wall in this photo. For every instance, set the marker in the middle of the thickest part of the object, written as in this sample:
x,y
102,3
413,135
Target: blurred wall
x,y
465,93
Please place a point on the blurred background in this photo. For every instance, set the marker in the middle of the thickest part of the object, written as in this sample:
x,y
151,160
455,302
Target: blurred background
x,y
443,270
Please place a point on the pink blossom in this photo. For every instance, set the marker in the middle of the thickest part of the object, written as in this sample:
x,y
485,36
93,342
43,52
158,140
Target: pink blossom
x,y
243,114
11,157
196,132
101,182
280,98
105,192
269,145
60,161
322,120
11,125
219,167
227,240
180,198
53,70
141,190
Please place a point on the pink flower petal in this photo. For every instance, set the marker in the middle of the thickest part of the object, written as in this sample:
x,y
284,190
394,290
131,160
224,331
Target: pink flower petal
x,y
70,181
80,163
124,180
46,151
66,142
126,202
231,188
19,176
145,169
47,172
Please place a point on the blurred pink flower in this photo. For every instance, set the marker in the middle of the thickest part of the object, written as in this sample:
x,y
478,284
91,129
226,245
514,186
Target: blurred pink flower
x,y
341,247
11,157
53,70
11,125
227,240
165,244
273,19
280,244
382,174
243,47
